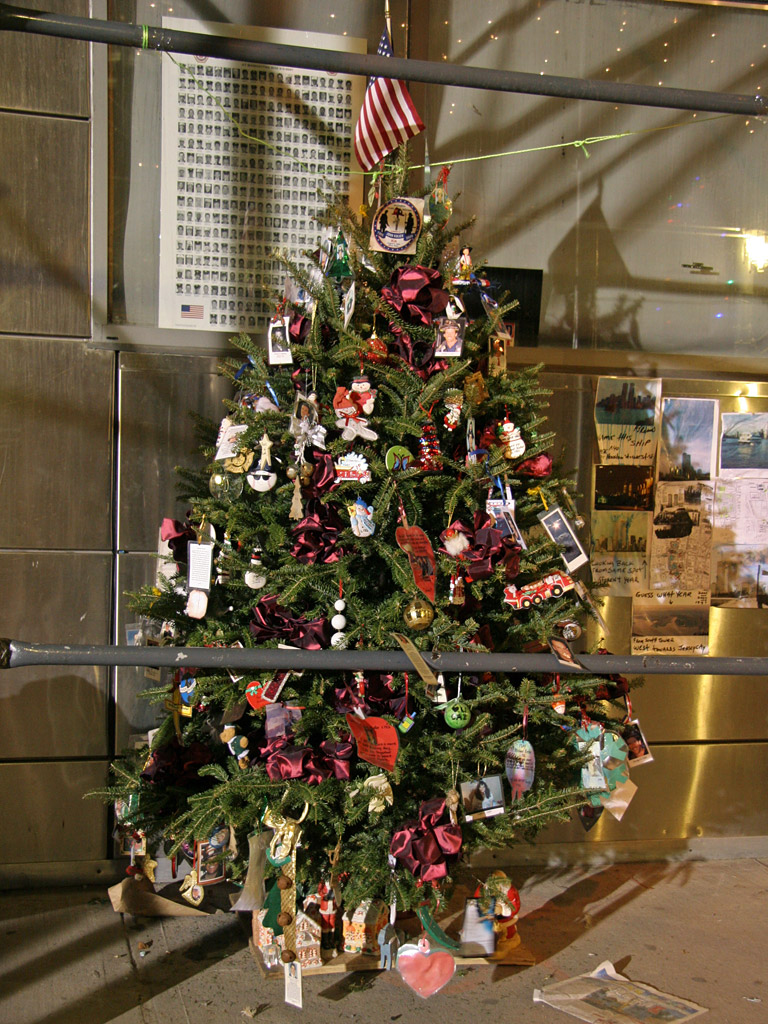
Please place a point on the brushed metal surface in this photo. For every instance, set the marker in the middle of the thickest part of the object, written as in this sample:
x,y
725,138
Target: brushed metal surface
x,y
45,816
132,714
42,73
56,412
686,791
44,226
157,433
49,711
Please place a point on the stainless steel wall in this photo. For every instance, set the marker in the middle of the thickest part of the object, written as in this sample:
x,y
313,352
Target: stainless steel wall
x,y
56,436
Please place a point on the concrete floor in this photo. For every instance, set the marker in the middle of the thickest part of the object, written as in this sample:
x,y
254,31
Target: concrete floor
x,y
695,929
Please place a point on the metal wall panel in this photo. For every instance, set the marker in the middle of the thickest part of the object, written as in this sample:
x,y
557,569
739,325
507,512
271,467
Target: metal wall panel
x,y
55,597
686,791
45,816
157,433
42,73
44,226
132,714
56,412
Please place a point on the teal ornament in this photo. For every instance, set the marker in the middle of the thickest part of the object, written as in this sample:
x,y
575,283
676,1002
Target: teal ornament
x,y
457,714
608,767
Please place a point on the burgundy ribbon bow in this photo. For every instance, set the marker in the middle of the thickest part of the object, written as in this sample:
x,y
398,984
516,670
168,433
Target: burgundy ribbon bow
x,y
537,466
379,696
316,535
284,761
417,294
423,845
324,477
272,621
486,548
178,536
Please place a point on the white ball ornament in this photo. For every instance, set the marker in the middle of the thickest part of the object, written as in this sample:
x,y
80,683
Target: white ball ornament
x,y
337,639
340,605
338,621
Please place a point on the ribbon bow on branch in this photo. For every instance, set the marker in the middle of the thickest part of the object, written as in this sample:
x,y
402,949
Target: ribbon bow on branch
x,y
422,846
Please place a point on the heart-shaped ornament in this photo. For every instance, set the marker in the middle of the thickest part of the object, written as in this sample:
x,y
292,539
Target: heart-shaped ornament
x,y
423,970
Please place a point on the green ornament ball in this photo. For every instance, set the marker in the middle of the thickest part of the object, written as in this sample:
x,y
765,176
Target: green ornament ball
x,y
418,614
457,715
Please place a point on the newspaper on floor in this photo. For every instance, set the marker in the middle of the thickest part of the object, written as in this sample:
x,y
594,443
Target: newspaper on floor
x,y
605,997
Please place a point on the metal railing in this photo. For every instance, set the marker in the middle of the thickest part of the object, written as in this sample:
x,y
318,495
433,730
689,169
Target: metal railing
x,y
147,37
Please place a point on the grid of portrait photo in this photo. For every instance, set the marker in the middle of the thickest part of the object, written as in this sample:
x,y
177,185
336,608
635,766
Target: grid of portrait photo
x,y
229,201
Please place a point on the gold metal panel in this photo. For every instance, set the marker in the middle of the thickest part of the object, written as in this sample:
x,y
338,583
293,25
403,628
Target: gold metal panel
x,y
42,73
686,791
55,597
157,433
44,225
56,413
45,816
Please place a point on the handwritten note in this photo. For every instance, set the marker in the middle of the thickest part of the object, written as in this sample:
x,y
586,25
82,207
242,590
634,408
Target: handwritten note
x,y
619,574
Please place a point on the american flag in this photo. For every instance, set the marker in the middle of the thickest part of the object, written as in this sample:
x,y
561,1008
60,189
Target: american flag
x,y
387,118
191,312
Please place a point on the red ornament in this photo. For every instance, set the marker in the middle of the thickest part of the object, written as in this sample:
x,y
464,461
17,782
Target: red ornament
x,y
377,350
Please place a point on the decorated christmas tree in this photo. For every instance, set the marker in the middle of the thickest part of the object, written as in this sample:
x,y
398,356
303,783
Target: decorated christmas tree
x,y
379,482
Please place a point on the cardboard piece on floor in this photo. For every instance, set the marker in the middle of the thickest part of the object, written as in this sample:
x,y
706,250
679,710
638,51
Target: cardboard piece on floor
x,y
137,896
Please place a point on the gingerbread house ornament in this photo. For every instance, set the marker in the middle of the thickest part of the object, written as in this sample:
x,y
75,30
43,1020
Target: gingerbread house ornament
x,y
362,925
308,934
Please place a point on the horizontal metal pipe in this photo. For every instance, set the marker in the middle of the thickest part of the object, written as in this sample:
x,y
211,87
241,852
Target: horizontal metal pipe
x,y
250,51
16,653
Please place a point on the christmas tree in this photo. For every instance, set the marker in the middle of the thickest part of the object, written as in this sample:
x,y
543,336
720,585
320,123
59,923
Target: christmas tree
x,y
379,474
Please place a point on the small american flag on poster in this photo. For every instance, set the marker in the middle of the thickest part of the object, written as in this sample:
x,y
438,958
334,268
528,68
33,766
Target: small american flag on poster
x,y
191,312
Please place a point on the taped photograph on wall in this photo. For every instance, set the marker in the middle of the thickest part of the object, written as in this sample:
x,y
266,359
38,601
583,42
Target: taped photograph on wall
x,y
744,444
688,431
681,537
627,420
670,622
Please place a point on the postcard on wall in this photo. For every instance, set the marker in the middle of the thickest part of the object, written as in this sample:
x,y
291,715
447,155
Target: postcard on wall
x,y
619,531
681,537
741,512
744,444
670,622
627,420
624,487
619,573
740,576
687,449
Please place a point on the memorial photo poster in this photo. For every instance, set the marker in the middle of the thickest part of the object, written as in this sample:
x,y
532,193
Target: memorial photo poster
x,y
681,537
670,622
688,444
744,444
627,420
741,512
245,148
619,531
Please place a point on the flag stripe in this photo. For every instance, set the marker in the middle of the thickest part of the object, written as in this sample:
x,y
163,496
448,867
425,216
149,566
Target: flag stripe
x,y
388,116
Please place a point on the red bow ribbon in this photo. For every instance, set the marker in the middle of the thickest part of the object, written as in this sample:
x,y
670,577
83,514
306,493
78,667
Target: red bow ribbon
x,y
316,535
486,548
272,621
284,761
423,845
418,296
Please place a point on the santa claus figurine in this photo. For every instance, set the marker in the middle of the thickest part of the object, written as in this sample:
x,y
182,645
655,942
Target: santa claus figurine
x,y
506,907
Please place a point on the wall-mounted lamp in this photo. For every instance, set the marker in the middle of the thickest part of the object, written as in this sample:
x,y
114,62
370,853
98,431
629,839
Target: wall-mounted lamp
x,y
756,250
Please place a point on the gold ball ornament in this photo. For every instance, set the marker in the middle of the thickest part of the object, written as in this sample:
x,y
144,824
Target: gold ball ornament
x,y
418,614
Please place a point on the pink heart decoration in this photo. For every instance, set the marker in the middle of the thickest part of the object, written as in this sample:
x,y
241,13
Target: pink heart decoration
x,y
425,972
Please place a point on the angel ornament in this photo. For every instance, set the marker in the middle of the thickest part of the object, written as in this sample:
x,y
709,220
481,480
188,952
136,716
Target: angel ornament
x,y
305,425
